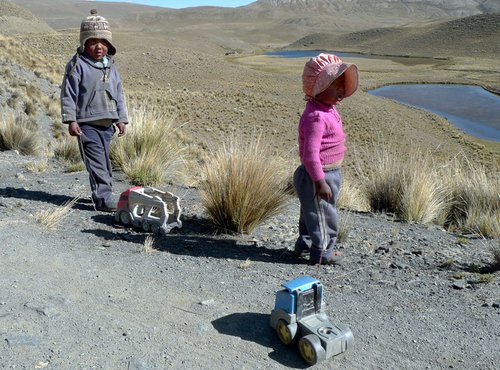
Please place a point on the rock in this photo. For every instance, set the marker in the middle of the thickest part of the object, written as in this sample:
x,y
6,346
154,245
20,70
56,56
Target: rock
x,y
21,341
460,284
208,302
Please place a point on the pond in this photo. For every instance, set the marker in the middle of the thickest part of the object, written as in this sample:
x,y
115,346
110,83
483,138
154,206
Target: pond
x,y
313,53
469,108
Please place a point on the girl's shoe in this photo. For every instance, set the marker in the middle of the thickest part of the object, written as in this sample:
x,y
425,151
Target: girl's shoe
x,y
326,257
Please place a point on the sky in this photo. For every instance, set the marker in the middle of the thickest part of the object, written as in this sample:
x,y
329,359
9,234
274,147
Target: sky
x,y
177,4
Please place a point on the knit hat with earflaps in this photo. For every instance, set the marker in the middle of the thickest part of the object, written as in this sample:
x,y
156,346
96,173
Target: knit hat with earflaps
x,y
322,70
95,27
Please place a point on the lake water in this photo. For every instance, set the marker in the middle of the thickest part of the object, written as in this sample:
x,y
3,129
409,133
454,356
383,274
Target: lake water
x,y
312,53
469,108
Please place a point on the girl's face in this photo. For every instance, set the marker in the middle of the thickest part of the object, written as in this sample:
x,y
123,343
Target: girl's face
x,y
334,93
96,48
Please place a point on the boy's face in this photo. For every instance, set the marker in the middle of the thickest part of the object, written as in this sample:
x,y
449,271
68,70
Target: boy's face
x,y
96,48
334,93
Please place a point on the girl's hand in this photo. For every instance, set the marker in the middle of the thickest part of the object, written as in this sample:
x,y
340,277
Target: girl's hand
x,y
74,129
122,128
323,190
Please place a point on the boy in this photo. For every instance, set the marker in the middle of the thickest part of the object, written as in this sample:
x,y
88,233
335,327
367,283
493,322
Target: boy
x,y
92,103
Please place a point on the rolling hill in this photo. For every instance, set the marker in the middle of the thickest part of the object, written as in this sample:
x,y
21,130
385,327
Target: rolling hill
x,y
477,35
15,20
263,21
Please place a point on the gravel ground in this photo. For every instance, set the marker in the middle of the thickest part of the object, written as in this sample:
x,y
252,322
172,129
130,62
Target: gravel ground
x,y
87,295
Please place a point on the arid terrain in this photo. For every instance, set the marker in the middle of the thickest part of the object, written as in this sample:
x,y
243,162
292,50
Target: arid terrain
x,y
87,295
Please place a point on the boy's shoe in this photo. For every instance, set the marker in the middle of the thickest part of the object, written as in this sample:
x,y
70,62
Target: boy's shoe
x,y
301,249
326,257
106,208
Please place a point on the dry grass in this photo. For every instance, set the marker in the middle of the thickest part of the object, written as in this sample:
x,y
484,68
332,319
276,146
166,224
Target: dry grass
x,y
345,227
423,198
50,218
408,187
148,247
460,195
151,153
351,196
38,166
18,133
66,149
243,185
473,198
384,186
12,49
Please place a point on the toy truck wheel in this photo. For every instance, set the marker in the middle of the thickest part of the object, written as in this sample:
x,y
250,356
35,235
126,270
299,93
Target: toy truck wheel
x,y
146,225
155,228
125,218
286,332
311,350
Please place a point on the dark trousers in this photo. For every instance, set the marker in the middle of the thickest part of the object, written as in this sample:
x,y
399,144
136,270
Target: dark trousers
x,y
318,221
94,148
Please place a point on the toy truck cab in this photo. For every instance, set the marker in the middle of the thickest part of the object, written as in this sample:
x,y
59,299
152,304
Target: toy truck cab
x,y
150,209
299,315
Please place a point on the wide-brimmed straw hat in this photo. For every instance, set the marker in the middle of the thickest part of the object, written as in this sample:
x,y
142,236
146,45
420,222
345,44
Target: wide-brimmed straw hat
x,y
322,70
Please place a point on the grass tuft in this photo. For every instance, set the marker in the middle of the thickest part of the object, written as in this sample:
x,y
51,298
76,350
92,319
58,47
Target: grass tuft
x,y
150,154
244,184
17,133
50,218
148,247
66,149
473,198
406,186
38,166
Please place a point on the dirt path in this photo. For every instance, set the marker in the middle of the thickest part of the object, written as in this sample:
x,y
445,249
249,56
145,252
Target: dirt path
x,y
84,296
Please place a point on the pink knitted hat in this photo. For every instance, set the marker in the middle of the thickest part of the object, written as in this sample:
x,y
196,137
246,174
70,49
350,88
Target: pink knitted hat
x,y
322,70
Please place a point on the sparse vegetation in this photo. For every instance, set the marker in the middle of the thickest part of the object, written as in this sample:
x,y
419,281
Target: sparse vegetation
x,y
38,166
18,133
243,185
405,186
473,198
457,196
345,227
351,196
148,247
50,218
151,153
66,149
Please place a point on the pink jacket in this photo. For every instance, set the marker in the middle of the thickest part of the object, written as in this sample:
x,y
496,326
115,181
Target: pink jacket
x,y
321,138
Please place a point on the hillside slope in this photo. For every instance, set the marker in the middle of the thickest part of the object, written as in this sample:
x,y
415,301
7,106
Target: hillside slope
x,y
16,20
263,21
477,35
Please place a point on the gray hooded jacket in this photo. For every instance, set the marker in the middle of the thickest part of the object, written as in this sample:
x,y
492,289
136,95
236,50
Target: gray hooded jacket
x,y
92,91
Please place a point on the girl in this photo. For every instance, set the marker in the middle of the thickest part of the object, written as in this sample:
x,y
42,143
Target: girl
x,y
326,80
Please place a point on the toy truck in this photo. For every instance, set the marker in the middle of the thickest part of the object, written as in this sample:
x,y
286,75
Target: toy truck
x,y
299,316
150,209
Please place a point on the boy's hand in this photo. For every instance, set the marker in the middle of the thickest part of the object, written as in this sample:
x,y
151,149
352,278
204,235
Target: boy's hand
x,y
122,128
323,190
74,129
